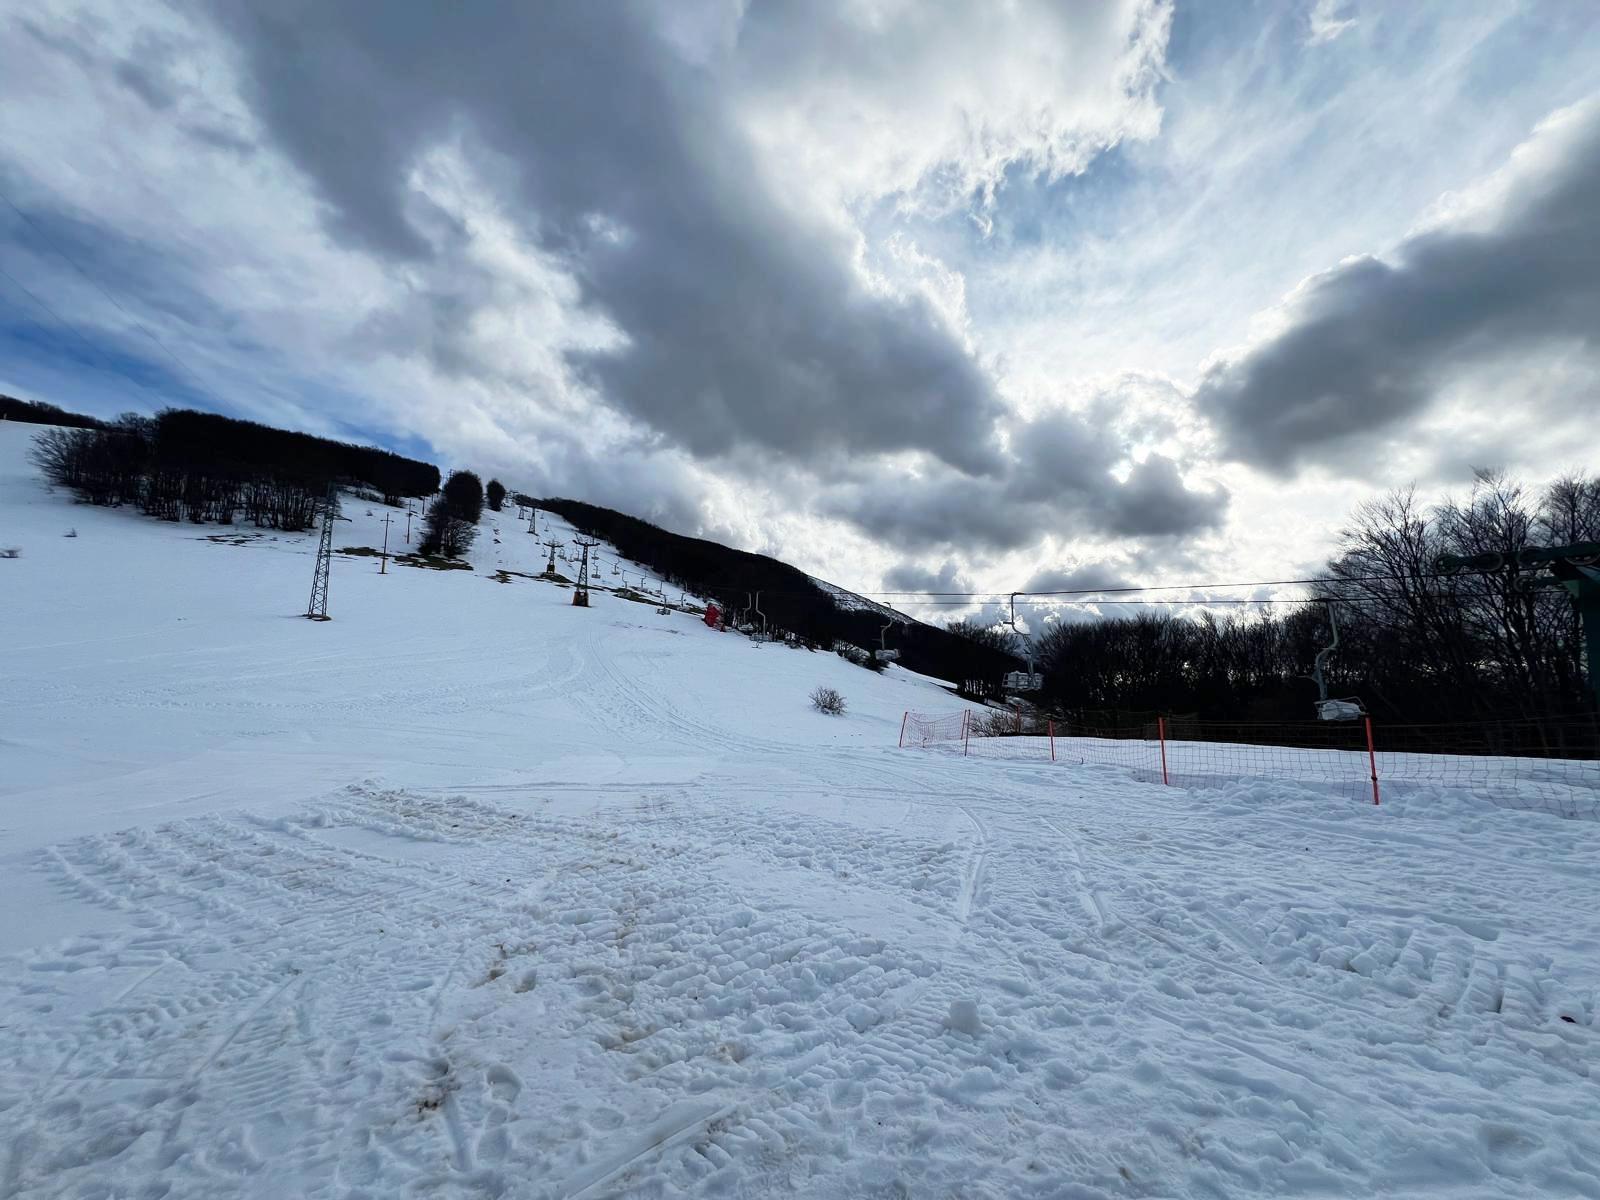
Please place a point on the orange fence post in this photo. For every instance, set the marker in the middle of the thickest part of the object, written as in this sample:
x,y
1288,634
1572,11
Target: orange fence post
x,y
966,725
1372,761
1052,727
1161,729
903,721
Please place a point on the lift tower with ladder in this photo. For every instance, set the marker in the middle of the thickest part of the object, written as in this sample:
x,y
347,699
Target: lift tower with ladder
x,y
317,609
580,597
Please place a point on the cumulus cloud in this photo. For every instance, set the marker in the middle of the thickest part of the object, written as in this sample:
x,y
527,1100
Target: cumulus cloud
x,y
1362,350
1154,502
931,104
624,249
912,577
1060,478
633,153
1079,577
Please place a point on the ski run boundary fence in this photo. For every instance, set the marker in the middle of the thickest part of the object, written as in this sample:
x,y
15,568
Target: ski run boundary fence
x,y
1551,766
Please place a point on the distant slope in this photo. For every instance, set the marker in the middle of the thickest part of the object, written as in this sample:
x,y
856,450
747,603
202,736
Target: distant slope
x,y
788,598
847,601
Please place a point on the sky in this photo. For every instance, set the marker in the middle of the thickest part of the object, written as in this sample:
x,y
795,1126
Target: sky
x,y
914,295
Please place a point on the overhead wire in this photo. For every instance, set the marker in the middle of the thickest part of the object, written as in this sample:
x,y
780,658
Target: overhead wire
x,y
1092,595
1167,587
1095,596
1004,598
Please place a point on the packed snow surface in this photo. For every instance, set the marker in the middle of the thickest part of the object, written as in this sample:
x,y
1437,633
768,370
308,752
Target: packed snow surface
x,y
468,892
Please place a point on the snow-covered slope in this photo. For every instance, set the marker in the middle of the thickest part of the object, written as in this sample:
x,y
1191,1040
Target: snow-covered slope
x,y
471,893
148,661
849,601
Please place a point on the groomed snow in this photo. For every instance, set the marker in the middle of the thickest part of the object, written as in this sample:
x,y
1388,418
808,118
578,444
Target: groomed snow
x,y
470,893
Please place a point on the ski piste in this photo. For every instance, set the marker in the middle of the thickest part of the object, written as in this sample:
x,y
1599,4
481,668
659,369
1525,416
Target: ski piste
x,y
471,892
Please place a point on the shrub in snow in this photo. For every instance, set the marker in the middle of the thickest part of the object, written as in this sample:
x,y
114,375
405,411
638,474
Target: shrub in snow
x,y
826,700
853,654
993,722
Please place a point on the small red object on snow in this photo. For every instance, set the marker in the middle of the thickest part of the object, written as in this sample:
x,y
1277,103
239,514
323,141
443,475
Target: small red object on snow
x,y
713,616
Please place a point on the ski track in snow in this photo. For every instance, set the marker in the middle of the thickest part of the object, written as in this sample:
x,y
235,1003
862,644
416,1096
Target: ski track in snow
x,y
536,902
349,1020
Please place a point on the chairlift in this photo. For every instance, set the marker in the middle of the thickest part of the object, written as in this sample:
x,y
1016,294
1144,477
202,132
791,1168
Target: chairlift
x,y
1348,708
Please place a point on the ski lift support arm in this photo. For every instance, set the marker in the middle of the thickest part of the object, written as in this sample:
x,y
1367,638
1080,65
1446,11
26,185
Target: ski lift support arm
x,y
1575,567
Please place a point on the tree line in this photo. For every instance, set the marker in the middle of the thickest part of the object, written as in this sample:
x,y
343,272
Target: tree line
x,y
201,467
1415,645
36,412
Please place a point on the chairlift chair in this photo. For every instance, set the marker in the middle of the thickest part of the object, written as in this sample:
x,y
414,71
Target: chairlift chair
x,y
1349,708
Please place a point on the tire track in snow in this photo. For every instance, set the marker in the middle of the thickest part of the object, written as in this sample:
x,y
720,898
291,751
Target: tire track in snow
x,y
267,891
1476,986
267,888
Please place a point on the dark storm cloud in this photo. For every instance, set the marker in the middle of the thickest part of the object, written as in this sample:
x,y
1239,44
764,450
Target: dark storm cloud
x,y
1076,579
1370,343
909,577
1154,503
946,511
745,323
1060,453
1056,481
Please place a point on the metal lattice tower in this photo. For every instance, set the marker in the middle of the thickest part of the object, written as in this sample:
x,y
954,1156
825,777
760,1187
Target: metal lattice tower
x,y
550,567
580,598
533,517
317,609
